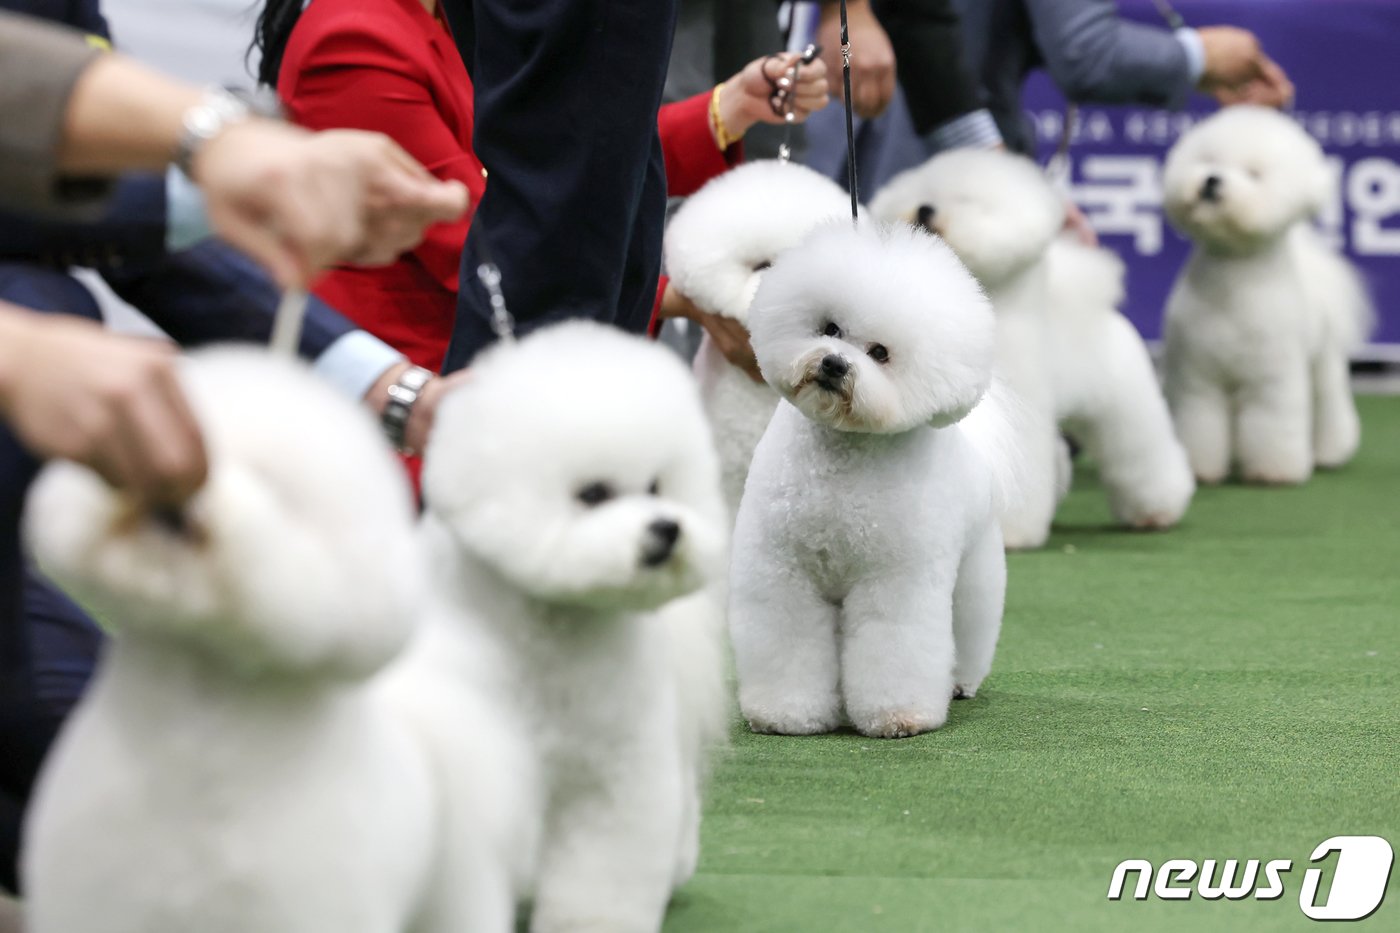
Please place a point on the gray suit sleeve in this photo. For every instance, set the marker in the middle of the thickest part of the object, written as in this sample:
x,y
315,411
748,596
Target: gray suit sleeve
x,y
39,65
1093,55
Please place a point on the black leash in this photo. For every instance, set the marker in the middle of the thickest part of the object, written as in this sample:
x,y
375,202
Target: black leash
x,y
850,124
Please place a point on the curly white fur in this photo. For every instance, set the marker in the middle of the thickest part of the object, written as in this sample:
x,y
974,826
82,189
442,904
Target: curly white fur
x,y
573,503
231,768
1061,342
868,576
1263,316
717,246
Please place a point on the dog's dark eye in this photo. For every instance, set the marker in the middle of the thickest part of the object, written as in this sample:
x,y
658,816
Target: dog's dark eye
x,y
878,353
655,488
760,266
832,330
595,494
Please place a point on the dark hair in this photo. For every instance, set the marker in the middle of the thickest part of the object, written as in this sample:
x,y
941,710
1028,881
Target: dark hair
x,y
270,35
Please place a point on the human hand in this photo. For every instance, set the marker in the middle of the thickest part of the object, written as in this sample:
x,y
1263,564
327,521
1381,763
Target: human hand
x,y
872,56
1271,89
730,337
1238,71
746,98
71,390
1077,224
298,202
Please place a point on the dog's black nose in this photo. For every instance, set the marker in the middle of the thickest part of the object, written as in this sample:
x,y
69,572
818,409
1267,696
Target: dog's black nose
x,y
926,213
835,366
663,534
1210,189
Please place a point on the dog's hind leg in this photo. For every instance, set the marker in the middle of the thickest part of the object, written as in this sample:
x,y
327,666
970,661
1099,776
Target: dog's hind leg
x,y
1128,430
1336,426
978,600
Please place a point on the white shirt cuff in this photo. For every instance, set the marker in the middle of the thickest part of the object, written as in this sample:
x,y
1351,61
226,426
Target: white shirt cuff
x,y
1195,50
976,130
186,222
354,362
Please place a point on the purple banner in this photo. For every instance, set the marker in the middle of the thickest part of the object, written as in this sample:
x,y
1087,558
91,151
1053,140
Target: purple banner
x,y
1342,56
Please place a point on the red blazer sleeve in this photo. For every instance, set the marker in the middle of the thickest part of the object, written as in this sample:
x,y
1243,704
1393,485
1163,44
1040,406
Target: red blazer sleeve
x,y
692,158
355,76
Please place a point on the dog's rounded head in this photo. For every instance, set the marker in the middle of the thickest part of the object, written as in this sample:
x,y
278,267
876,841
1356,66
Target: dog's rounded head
x,y
996,210
875,328
1239,179
722,239
578,466
298,554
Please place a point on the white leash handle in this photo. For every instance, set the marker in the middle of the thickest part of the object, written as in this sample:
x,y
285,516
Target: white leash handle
x,y
286,326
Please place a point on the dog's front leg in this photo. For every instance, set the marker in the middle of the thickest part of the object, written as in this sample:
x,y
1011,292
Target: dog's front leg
x,y
1201,414
897,653
609,852
1274,429
784,636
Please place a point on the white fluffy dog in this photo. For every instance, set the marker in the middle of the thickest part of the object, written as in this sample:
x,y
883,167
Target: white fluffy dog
x,y
1264,315
573,495
717,246
1061,342
868,574
230,769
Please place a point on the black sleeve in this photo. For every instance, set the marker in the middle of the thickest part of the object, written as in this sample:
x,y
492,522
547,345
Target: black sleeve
x,y
928,47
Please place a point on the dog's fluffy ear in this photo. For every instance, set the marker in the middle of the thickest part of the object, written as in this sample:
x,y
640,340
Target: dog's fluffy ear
x,y
740,219
995,209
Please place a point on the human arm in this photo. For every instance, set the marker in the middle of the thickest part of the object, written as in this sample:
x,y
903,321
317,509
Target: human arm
x,y
295,201
1095,55
690,134
351,75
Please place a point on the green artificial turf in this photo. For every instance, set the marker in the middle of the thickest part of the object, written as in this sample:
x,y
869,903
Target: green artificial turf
x,y
1229,689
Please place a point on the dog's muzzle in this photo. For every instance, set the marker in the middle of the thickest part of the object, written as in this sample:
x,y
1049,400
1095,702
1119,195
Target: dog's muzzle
x,y
662,536
832,372
1210,189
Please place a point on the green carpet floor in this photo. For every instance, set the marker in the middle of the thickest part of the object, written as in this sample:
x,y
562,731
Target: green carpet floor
x,y
1226,690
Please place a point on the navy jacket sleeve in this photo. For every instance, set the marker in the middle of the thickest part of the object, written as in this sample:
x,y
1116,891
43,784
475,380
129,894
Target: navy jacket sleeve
x,y
211,293
130,229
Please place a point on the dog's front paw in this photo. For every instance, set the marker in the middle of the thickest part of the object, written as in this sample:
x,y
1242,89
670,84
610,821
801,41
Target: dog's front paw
x,y
964,691
781,724
899,724
1264,477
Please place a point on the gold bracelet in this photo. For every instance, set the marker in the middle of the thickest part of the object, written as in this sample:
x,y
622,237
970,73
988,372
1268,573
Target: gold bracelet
x,y
723,138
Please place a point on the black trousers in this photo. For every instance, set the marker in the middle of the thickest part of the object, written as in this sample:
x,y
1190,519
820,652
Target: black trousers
x,y
566,99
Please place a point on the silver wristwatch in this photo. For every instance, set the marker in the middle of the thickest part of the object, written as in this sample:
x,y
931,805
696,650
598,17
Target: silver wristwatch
x,y
216,112
403,394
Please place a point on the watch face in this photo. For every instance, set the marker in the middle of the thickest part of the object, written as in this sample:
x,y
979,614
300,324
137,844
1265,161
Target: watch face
x,y
204,121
